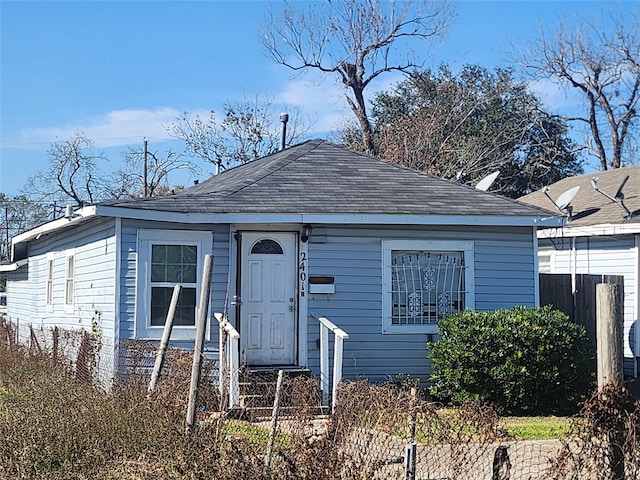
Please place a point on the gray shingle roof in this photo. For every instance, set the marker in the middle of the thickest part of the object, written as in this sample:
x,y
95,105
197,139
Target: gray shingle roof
x,y
322,178
590,207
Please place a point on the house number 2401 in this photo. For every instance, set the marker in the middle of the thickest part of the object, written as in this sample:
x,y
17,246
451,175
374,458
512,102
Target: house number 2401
x,y
302,273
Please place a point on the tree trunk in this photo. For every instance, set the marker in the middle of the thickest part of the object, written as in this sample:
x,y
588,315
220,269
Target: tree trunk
x,y
359,108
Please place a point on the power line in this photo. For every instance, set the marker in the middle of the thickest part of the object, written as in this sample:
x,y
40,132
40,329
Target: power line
x,y
136,138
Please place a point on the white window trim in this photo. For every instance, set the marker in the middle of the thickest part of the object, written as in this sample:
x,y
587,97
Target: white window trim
x,y
147,238
466,247
552,260
69,302
49,294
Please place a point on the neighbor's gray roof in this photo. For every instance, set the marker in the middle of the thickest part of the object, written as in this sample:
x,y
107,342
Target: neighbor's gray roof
x,y
319,177
590,207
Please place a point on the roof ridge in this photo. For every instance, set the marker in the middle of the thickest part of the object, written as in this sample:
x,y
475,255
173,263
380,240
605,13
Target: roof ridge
x,y
285,164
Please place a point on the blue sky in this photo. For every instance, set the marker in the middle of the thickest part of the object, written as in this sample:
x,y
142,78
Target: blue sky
x,y
120,70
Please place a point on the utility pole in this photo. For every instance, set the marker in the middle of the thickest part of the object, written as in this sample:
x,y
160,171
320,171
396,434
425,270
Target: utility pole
x,y
6,224
144,170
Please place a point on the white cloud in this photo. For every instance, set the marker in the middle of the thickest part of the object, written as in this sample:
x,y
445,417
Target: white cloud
x,y
553,95
115,128
323,99
322,102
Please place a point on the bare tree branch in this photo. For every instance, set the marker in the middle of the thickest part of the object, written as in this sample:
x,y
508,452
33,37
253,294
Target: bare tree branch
x,y
357,41
71,175
601,61
247,130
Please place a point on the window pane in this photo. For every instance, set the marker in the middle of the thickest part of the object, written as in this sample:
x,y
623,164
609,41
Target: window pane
x,y
267,246
188,273
173,273
174,263
69,293
161,300
68,297
174,254
189,254
158,263
186,311
159,254
158,273
426,286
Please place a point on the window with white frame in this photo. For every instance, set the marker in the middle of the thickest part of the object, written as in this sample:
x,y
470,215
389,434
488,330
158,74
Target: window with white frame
x,y
171,265
69,281
49,292
545,262
424,281
167,259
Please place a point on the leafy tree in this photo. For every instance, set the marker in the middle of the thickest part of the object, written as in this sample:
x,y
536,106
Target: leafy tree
x,y
602,63
356,41
249,129
531,360
468,125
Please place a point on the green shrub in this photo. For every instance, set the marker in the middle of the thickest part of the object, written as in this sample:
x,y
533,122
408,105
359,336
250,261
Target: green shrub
x,y
525,360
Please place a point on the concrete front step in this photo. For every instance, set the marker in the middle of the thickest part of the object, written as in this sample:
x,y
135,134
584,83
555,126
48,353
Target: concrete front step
x,y
264,413
258,387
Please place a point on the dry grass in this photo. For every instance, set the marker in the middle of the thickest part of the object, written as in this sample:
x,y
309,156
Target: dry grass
x,y
55,427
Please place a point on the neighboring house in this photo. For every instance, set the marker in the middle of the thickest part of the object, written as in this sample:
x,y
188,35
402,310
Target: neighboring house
x,y
381,250
601,236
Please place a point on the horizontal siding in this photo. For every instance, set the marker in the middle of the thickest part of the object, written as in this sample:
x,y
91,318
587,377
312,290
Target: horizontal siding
x,y
129,276
20,297
93,245
504,276
608,255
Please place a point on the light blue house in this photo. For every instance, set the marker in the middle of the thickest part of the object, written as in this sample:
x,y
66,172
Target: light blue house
x,y
380,250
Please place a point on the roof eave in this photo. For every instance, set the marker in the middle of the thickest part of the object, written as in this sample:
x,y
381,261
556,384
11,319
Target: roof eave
x,y
605,229
78,216
332,218
12,267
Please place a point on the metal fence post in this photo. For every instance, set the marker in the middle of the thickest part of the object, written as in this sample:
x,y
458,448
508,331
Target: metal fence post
x,y
410,461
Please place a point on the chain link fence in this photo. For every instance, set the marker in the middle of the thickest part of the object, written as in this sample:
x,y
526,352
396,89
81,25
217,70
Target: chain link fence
x,y
281,431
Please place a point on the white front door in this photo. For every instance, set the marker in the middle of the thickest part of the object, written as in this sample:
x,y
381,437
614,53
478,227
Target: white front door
x,y
268,310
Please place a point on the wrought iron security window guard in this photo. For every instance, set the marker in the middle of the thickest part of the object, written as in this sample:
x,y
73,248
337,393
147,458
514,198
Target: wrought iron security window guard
x,y
426,286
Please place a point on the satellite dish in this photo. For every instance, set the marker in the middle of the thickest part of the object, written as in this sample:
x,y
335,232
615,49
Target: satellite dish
x,y
564,200
487,181
617,198
619,195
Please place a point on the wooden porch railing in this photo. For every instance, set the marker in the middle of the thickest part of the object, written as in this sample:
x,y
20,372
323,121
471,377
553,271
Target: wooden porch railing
x,y
229,350
340,335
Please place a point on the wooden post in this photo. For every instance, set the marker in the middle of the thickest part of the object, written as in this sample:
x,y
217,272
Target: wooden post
x,y
609,320
274,420
166,333
199,343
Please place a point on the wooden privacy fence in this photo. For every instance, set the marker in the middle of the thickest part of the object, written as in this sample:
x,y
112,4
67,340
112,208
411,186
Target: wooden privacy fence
x,y
579,304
